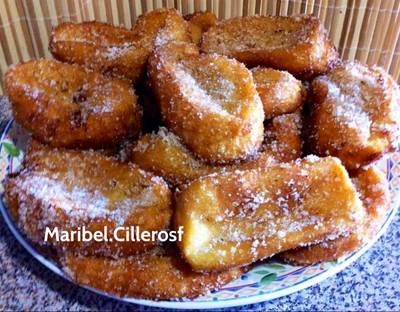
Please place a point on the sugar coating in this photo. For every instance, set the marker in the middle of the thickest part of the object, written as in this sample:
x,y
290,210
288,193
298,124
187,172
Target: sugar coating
x,y
164,153
72,189
360,105
256,205
297,44
373,190
209,101
66,105
263,211
158,274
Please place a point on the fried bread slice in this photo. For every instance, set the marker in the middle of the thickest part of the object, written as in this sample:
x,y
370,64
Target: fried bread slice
x,y
199,23
65,105
373,188
209,101
239,217
68,190
164,154
161,26
279,91
354,115
298,44
159,274
116,51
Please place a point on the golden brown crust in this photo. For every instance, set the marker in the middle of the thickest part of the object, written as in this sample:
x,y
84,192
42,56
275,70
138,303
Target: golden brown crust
x,y
298,44
283,137
71,189
354,115
279,91
164,154
373,188
242,192
115,51
199,23
66,106
325,251
210,101
236,218
282,143
162,26
159,274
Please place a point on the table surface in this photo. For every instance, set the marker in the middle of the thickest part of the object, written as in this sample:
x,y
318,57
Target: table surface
x,y
371,283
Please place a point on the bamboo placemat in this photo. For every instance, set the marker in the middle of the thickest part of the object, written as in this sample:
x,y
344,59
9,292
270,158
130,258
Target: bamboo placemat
x,y
367,30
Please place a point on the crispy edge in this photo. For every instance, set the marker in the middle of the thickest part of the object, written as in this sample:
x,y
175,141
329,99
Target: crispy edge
x,y
162,26
126,60
220,190
373,190
191,123
305,60
165,154
199,23
326,136
153,275
71,124
40,158
279,91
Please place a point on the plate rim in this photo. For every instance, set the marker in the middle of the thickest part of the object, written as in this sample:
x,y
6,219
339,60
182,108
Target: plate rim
x,y
183,305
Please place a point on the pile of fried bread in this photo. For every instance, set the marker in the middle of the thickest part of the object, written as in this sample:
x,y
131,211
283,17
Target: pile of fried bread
x,y
250,133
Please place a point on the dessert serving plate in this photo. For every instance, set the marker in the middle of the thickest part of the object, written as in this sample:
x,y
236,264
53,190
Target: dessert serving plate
x,y
265,281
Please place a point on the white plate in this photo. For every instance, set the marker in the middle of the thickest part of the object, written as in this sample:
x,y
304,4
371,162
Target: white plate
x,y
264,282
